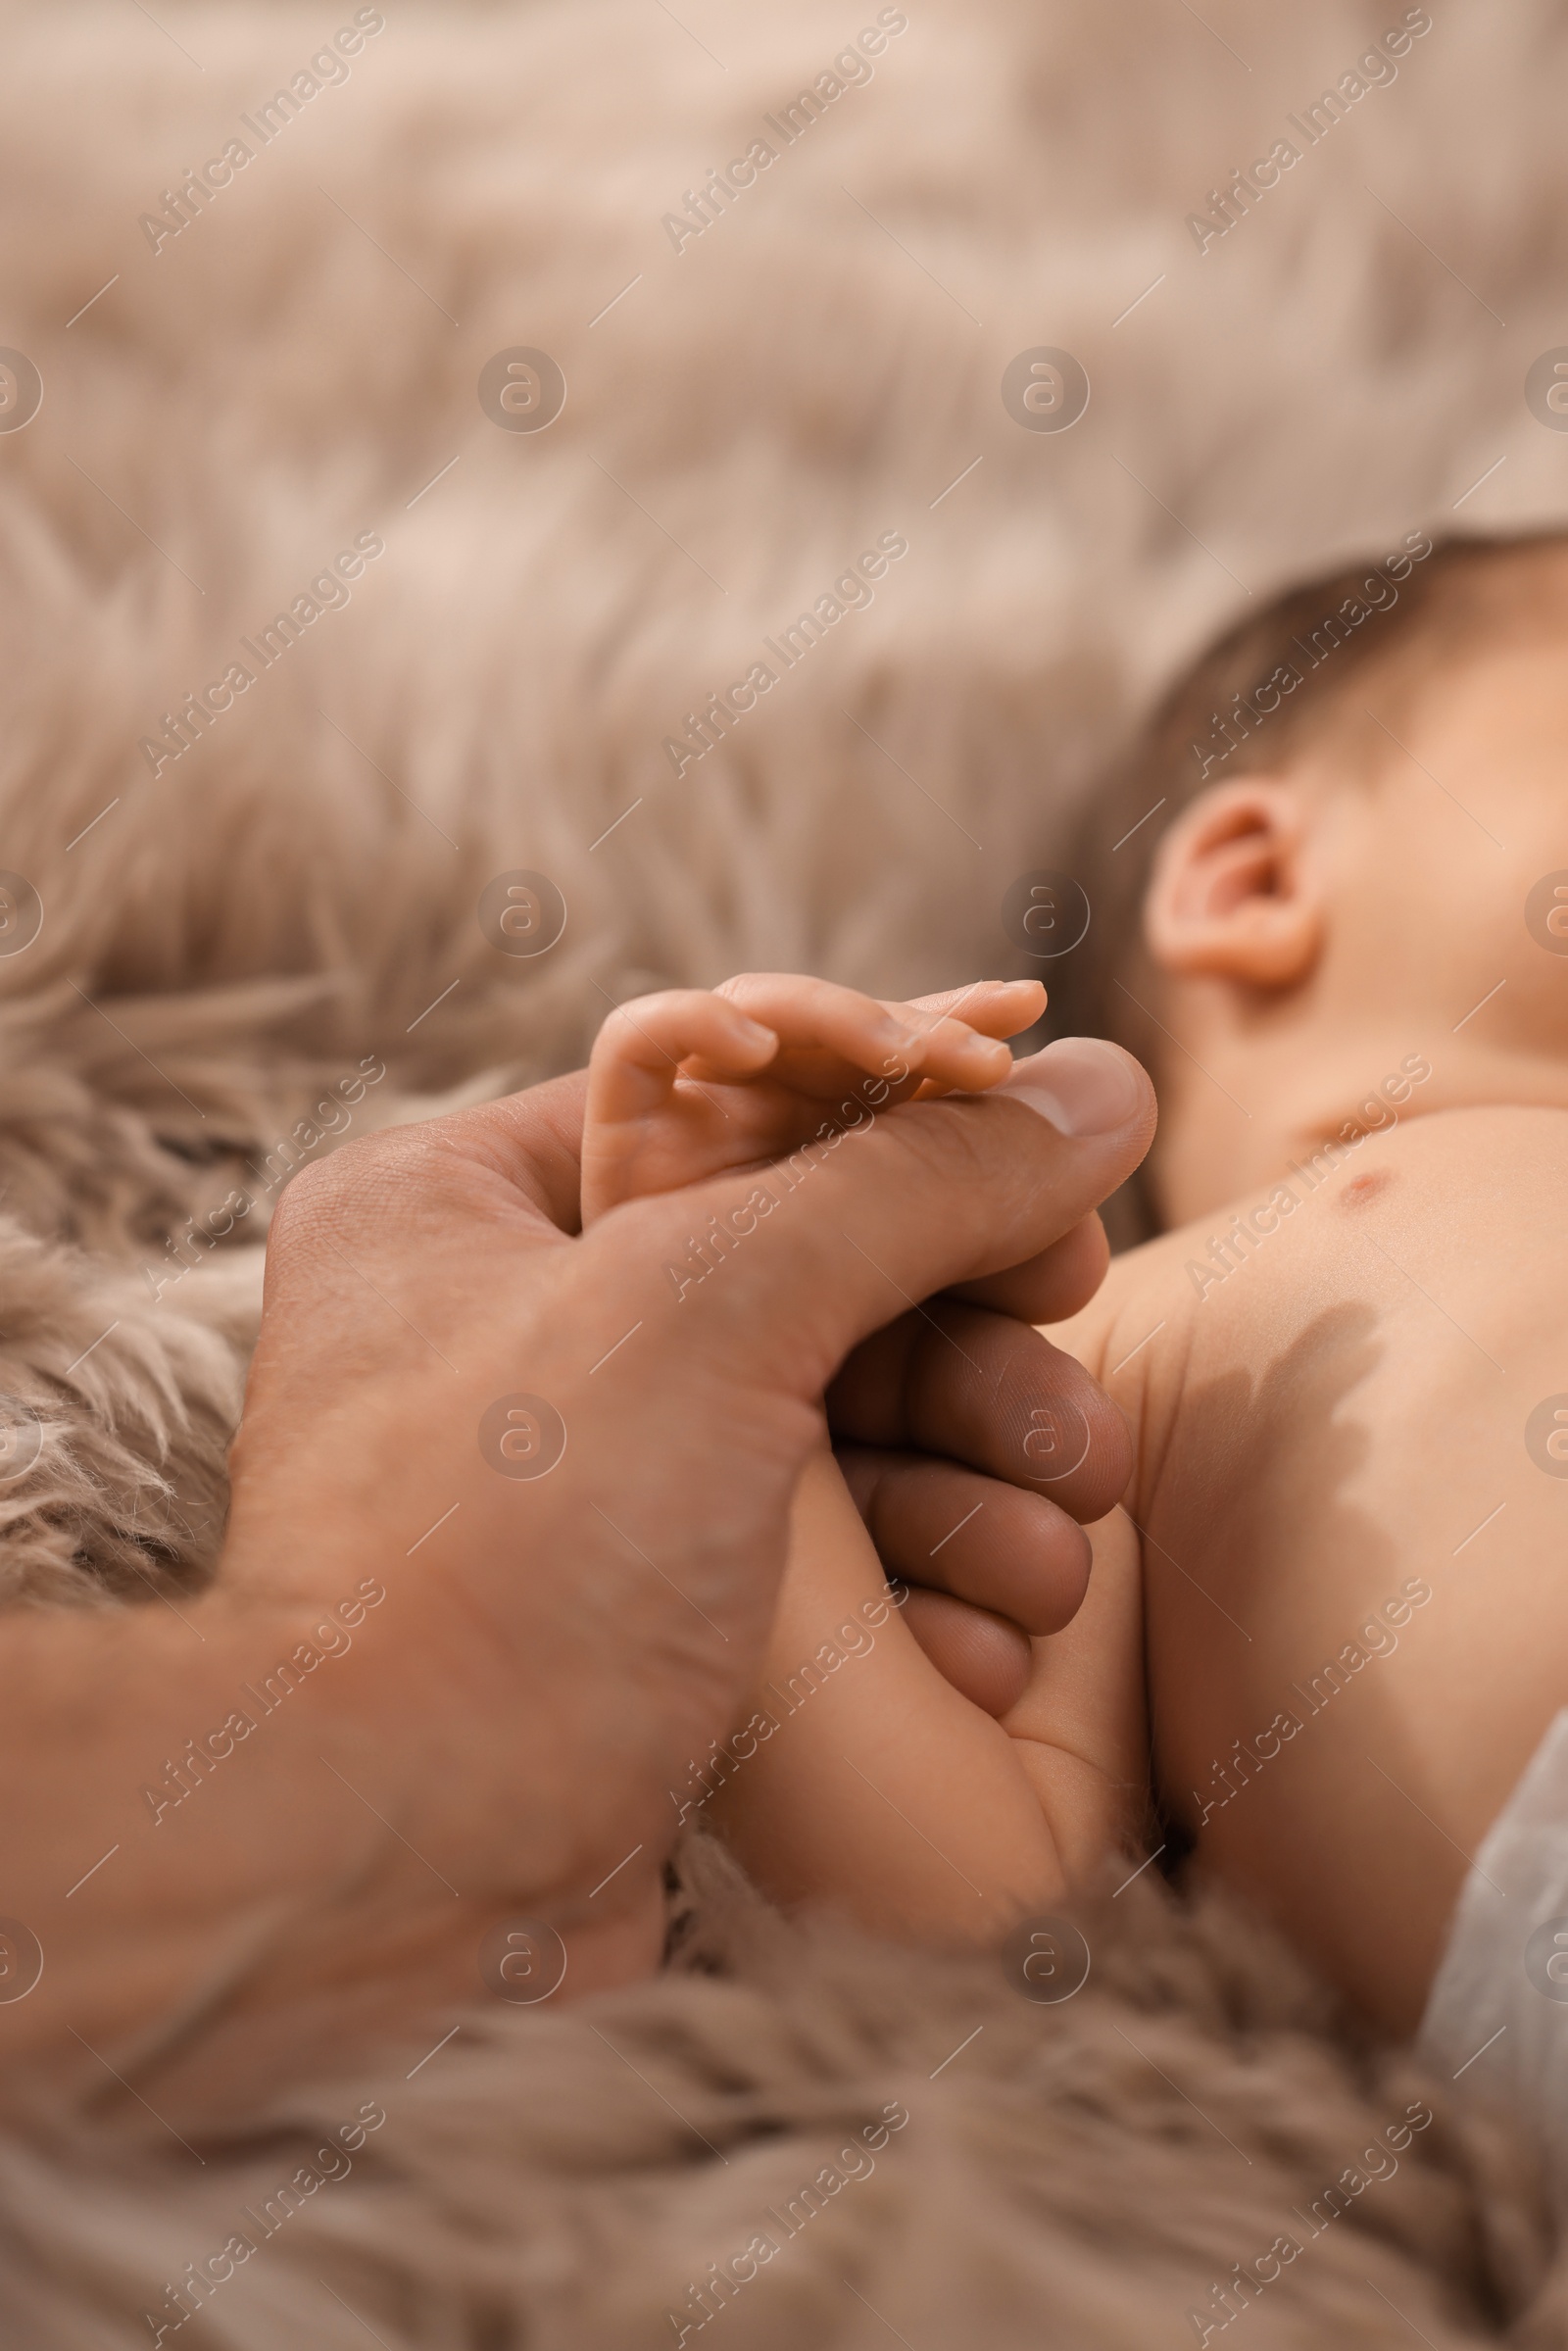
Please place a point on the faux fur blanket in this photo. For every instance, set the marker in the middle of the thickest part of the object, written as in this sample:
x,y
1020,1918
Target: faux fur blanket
x,y
799,2138
306,645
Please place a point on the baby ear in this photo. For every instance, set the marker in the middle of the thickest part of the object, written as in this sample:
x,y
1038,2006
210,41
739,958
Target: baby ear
x,y
1233,895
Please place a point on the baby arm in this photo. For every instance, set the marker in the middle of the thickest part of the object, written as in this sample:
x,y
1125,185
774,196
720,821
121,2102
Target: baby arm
x,y
864,1776
875,1786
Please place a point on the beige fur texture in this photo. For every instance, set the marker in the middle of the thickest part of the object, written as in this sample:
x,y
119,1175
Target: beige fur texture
x,y
1082,2174
233,942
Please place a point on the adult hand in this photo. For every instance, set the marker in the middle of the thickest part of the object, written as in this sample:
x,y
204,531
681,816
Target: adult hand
x,y
570,1476
978,1452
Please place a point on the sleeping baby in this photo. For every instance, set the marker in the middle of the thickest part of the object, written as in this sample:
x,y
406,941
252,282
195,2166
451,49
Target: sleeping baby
x,y
1324,1640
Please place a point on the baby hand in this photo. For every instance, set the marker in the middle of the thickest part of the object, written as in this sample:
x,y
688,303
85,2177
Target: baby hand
x,y
693,1083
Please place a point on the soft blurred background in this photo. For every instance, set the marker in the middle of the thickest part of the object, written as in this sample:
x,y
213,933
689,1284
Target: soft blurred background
x,y
819,365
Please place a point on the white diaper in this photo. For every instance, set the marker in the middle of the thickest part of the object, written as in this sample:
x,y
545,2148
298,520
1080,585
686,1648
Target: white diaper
x,y
1497,2018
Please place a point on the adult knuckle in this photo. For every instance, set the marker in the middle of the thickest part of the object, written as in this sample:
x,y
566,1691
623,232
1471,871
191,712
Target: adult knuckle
x,y
318,1193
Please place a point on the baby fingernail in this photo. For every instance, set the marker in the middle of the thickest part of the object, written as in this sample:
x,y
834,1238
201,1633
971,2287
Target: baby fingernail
x,y
1083,1085
751,1032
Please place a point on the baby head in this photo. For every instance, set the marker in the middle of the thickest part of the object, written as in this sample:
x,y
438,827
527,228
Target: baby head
x,y
1330,880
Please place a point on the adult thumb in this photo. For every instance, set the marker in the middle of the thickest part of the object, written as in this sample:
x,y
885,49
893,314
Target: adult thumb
x,y
781,1271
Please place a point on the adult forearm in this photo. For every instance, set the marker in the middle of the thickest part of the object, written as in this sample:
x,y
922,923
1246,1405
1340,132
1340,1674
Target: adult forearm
x,y
286,1821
